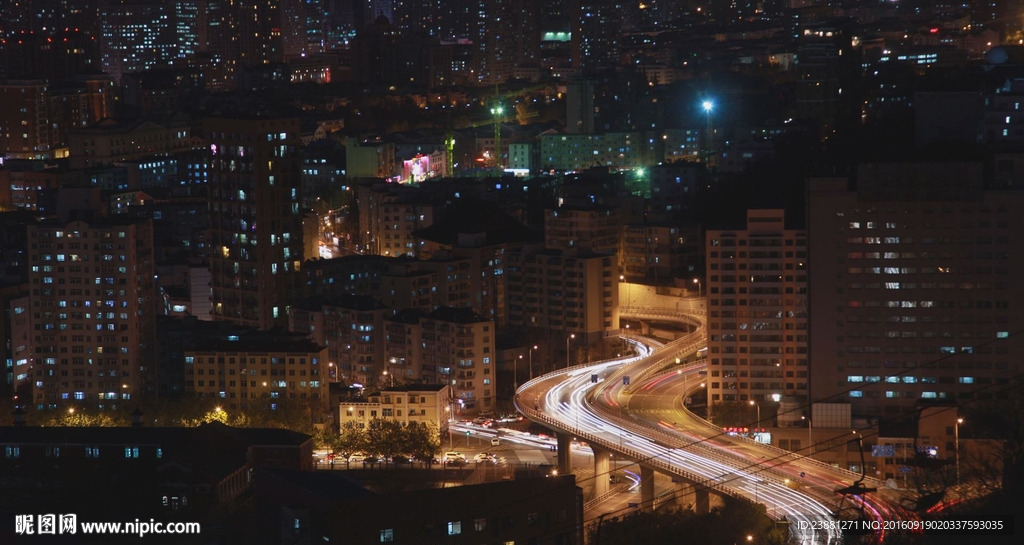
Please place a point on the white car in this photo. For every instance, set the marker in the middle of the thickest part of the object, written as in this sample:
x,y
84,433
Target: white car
x,y
495,441
357,457
483,457
454,457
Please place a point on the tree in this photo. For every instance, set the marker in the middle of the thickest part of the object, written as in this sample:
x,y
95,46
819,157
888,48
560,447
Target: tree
x,y
729,524
421,441
85,419
384,437
352,439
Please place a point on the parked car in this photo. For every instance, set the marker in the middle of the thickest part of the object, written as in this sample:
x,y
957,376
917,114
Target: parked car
x,y
495,441
357,457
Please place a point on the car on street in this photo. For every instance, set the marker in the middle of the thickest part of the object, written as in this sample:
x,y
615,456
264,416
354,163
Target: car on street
x,y
495,441
357,457
454,457
482,457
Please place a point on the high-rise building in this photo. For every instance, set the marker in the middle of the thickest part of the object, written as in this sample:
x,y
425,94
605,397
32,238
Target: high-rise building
x,y
570,291
593,228
36,120
245,32
757,310
93,305
136,36
912,287
25,131
256,234
352,329
596,26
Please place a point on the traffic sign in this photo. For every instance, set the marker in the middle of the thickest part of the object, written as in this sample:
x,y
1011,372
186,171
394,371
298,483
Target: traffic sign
x,y
904,469
593,379
625,381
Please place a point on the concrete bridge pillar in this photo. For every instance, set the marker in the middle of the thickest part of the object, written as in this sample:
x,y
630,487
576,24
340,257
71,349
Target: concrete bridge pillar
x,y
602,467
702,501
564,453
685,497
646,487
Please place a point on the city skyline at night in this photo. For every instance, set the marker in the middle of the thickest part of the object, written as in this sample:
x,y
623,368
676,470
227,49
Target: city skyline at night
x,y
702,254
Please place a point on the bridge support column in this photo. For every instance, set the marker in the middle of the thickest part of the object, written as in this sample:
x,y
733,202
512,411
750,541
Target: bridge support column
x,y
685,498
602,467
646,487
702,501
564,453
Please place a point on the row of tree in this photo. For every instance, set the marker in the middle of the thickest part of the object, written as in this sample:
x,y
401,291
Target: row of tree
x,y
294,414
385,440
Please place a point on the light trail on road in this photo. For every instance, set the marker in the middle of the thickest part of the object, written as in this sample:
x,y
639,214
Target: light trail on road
x,y
561,402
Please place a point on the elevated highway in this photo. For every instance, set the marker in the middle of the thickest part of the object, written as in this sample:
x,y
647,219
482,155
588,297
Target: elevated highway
x,y
631,407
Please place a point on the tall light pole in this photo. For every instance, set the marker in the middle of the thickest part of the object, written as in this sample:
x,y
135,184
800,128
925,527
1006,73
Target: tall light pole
x,y
956,444
697,281
810,435
567,339
497,111
515,373
622,278
708,106
754,403
532,348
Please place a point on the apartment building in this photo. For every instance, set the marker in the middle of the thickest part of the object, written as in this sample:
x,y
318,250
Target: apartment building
x,y
429,404
757,310
93,311
351,328
249,367
913,290
593,228
446,346
571,291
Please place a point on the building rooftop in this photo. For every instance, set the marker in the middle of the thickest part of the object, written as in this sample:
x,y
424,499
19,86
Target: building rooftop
x,y
477,217
259,341
462,315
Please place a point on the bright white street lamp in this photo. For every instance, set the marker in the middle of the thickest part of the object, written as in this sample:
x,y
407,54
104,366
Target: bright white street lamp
x,y
567,339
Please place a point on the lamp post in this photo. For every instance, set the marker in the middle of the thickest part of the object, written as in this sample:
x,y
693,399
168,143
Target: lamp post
x,y
708,105
754,403
497,111
515,373
532,348
629,291
567,339
697,281
810,435
956,445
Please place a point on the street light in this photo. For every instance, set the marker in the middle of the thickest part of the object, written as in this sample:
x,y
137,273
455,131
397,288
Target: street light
x,y
810,435
534,347
754,403
515,373
497,111
956,439
708,105
697,281
567,339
